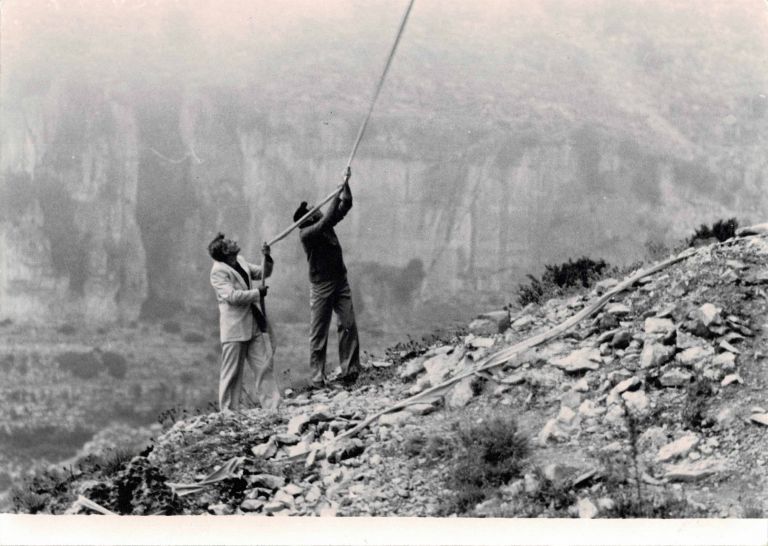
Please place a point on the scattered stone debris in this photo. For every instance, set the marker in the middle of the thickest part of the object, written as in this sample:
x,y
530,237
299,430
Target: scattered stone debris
x,y
643,353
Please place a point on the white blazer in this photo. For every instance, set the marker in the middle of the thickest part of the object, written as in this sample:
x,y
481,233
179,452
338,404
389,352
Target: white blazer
x,y
235,299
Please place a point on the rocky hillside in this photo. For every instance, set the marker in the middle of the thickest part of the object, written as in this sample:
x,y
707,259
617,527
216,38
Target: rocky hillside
x,y
654,406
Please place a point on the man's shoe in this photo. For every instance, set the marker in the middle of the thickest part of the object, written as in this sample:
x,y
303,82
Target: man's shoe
x,y
349,380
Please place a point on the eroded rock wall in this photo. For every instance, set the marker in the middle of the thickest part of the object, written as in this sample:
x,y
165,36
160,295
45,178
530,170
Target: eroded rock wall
x,y
111,199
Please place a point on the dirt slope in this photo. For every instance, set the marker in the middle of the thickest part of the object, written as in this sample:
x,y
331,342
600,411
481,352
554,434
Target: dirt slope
x,y
657,406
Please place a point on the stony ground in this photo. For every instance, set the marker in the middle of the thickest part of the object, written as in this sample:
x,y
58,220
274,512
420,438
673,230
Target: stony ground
x,y
656,406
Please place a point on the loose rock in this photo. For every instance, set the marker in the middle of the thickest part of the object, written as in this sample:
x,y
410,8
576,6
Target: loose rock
x,y
676,377
656,354
621,339
618,309
412,368
461,393
693,471
679,448
251,505
221,509
489,324
268,481
297,423
579,360
266,450
587,509
695,355
655,325
637,401
288,439
396,418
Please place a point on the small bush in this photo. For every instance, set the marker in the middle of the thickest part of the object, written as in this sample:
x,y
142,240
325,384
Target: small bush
x,y
115,460
695,404
722,230
623,483
81,365
435,448
487,455
662,504
115,363
559,279
28,502
45,492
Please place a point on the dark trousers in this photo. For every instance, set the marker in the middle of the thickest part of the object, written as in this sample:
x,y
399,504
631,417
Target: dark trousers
x,y
324,298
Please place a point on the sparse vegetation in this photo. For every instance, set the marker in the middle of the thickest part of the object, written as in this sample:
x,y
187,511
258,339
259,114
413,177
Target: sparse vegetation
x,y
692,412
722,230
623,484
560,279
487,455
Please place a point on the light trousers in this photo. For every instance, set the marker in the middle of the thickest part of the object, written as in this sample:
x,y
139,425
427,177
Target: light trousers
x,y
256,352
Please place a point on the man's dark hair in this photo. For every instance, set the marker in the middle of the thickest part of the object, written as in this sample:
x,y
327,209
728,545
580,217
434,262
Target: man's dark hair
x,y
301,211
216,247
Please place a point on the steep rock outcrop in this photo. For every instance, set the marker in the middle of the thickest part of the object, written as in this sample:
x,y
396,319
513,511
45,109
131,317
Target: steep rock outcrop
x,y
117,197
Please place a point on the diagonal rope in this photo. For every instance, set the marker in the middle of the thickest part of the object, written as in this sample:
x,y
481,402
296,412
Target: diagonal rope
x,y
505,355
360,133
381,82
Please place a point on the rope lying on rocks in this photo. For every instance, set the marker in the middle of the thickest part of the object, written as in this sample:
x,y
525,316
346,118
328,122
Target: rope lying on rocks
x,y
503,356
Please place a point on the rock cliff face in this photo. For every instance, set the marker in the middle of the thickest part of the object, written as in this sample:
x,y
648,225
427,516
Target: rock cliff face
x,y
71,243
109,201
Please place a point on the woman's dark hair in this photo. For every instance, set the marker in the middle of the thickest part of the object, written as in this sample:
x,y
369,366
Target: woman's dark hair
x,y
216,247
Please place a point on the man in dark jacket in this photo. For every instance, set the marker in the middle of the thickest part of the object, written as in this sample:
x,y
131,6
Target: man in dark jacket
x,y
329,289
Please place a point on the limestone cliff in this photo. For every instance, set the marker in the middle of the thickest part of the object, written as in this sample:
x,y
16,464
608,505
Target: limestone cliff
x,y
99,220
494,149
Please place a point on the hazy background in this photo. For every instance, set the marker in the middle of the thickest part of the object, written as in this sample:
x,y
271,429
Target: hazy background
x,y
508,135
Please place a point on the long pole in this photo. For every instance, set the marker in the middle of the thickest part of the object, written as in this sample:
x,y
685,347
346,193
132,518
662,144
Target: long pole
x,y
283,234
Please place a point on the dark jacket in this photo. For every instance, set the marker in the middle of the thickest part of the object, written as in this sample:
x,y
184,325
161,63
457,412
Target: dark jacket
x,y
321,245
